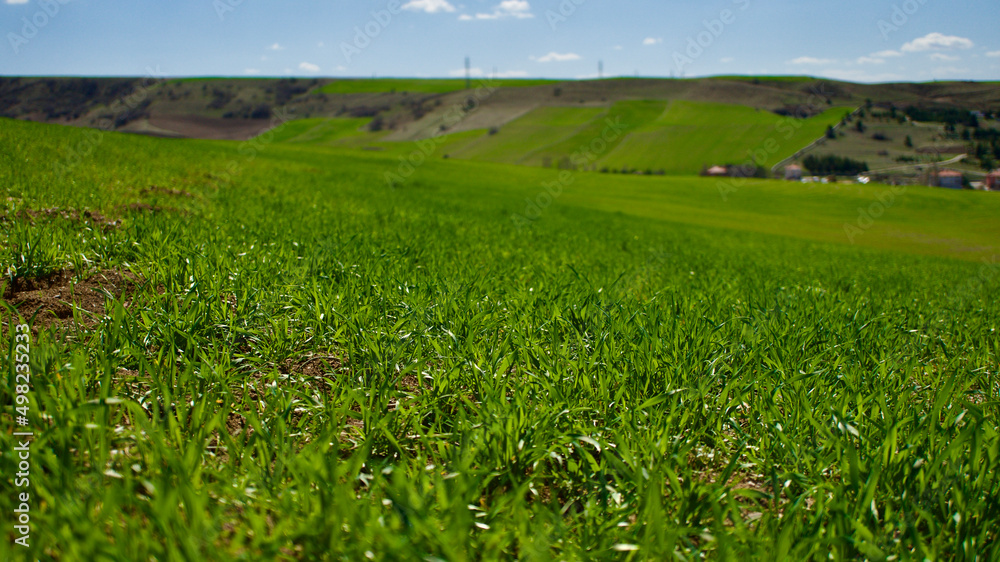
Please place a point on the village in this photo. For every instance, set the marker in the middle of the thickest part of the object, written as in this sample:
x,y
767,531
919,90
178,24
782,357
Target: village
x,y
950,150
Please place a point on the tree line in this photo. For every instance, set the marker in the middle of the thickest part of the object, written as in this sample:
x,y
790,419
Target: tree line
x,y
834,165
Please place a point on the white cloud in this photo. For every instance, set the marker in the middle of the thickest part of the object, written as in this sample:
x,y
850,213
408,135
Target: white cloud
x,y
17,1
871,60
811,60
556,57
276,47
251,71
429,6
727,60
937,41
515,7
308,67
519,9
941,57
652,41
619,47
993,54
320,45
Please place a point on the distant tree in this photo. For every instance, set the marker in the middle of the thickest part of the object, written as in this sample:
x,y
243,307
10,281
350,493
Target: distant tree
x,y
494,130
833,165
881,137
908,142
262,111
860,126
966,135
557,92
831,133
377,124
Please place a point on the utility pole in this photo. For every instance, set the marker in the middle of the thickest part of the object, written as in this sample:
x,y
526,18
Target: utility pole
x,y
468,73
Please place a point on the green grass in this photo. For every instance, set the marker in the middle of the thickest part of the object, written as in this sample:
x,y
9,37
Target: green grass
x,y
691,135
420,85
644,371
523,140
320,131
678,138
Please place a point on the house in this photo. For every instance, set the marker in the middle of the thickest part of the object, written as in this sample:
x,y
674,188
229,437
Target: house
x,y
993,180
949,179
717,171
793,172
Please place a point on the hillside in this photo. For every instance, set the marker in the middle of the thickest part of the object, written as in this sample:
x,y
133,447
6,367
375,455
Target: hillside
x,y
416,108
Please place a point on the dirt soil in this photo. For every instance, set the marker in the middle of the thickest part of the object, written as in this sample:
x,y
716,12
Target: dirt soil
x,y
200,127
55,297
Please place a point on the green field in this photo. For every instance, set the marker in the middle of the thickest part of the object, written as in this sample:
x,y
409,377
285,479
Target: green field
x,y
677,137
486,364
421,85
317,131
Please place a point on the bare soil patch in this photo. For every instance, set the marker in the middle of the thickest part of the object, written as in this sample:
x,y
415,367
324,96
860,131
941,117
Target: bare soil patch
x,y
200,127
52,299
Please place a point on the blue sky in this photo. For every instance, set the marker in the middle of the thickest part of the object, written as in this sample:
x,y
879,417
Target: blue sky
x,y
859,40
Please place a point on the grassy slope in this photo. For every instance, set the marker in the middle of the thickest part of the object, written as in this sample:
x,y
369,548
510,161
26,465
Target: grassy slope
x,y
678,138
594,379
690,135
918,220
522,140
318,131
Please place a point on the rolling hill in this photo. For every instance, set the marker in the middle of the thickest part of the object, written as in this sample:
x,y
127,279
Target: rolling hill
x,y
261,350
